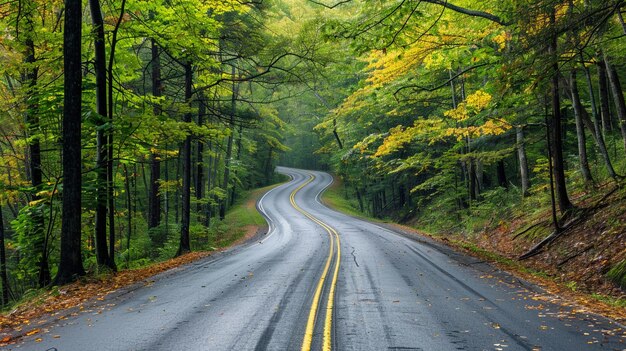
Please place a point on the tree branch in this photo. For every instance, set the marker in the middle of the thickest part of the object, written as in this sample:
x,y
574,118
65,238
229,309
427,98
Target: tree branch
x,y
469,12
330,6
442,84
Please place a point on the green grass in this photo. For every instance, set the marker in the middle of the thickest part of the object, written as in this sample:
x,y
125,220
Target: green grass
x,y
611,301
239,218
334,197
617,274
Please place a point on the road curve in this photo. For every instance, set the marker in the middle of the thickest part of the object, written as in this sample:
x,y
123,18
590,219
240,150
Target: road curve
x,y
376,290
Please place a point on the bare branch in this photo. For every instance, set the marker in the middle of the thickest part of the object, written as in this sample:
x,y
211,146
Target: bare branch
x,y
330,6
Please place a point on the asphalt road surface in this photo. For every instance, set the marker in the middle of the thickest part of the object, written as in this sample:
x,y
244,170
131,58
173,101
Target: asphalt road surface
x,y
322,280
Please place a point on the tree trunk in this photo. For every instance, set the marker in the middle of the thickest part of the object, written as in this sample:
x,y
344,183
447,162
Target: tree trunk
x,y
557,142
501,172
70,263
4,280
618,97
216,162
209,186
233,192
200,161
359,198
580,130
603,88
29,77
154,199
596,129
229,147
480,176
177,192
130,214
184,245
621,20
110,179
167,197
268,163
472,179
523,161
102,252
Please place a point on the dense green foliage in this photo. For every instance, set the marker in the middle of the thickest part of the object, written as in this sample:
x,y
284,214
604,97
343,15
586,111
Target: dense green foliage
x,y
162,82
440,111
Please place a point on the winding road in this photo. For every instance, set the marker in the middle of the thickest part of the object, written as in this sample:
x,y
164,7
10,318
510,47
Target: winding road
x,y
321,280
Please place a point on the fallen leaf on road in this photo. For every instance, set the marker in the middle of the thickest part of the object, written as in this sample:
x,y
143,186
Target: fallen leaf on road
x,y
33,332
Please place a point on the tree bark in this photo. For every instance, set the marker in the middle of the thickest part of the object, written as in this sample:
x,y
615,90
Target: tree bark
x,y
523,161
595,126
580,130
555,221
209,185
177,191
110,179
29,78
184,245
557,142
471,170
502,175
603,89
154,199
70,263
268,163
102,253
618,97
233,192
4,280
199,160
229,147
130,214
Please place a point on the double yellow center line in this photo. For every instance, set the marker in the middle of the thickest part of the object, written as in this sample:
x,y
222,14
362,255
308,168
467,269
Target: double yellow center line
x,y
334,241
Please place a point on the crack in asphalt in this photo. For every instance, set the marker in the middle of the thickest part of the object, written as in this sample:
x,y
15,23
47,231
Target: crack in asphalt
x,y
354,256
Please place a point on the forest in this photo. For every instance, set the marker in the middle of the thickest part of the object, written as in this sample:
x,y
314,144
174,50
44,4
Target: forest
x,y
130,127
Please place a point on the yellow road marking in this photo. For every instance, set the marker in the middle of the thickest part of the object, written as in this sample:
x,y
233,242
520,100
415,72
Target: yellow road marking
x,y
334,237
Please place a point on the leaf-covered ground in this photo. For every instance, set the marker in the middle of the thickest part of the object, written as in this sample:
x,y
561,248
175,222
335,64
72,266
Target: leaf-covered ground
x,y
582,258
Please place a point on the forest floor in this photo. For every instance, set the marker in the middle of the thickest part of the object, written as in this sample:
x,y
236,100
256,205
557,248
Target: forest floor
x,y
582,266
242,223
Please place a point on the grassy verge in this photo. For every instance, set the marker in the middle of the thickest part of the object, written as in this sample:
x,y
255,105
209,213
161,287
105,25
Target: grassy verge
x,y
334,197
242,221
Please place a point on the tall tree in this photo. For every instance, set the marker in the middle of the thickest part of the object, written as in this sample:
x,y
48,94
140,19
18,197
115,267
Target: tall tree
x,y
110,163
618,97
184,245
229,145
603,89
523,160
102,249
154,199
580,130
70,263
199,156
4,280
558,164
29,79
